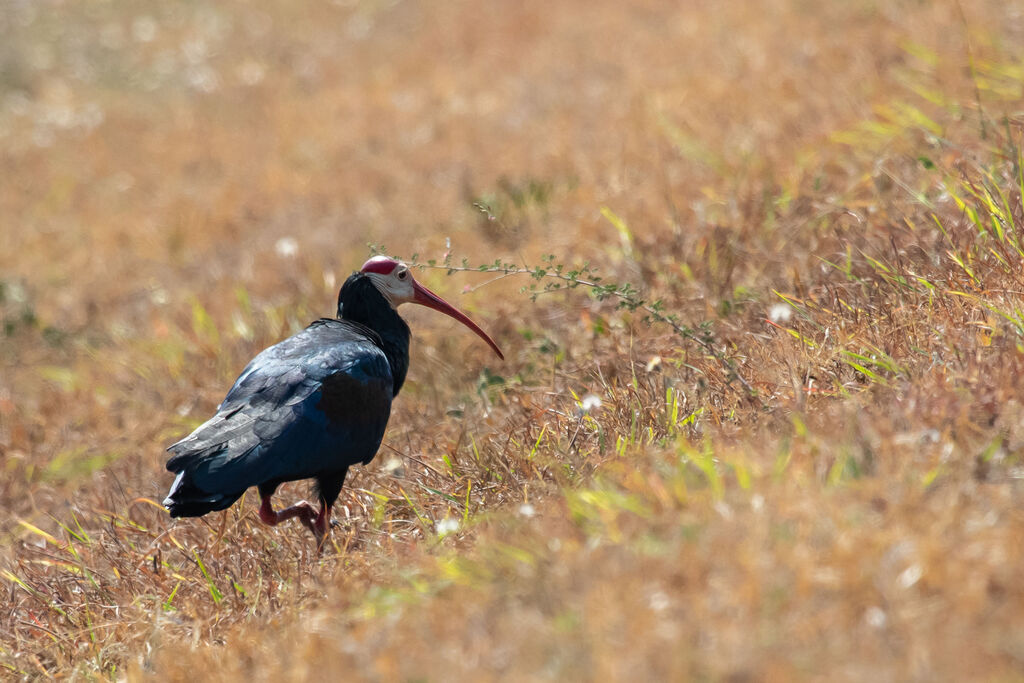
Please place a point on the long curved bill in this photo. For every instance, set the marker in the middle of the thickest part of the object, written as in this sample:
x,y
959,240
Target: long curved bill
x,y
425,297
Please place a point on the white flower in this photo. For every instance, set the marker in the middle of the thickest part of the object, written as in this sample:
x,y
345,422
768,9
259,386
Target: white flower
x,y
448,525
909,576
286,247
658,601
527,510
393,467
876,617
780,313
590,402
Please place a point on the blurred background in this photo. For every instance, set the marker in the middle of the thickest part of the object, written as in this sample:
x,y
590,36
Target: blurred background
x,y
183,184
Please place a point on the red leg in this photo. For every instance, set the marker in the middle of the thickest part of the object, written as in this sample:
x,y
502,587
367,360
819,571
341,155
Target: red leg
x,y
317,523
322,522
303,510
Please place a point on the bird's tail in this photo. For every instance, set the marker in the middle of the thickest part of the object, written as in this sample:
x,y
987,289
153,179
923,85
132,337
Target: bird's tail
x,y
186,499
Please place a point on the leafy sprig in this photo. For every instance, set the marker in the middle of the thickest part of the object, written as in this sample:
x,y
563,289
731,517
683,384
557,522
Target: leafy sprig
x,y
551,276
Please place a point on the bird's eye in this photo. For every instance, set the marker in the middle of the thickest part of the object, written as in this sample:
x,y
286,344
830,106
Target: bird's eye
x,y
402,274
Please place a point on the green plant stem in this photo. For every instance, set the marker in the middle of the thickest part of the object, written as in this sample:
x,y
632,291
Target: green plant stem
x,y
622,294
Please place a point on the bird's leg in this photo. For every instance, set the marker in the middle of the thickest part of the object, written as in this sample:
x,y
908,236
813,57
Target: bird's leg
x,y
303,510
321,524
317,523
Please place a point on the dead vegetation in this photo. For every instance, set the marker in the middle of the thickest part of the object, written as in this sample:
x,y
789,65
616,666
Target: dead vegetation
x,y
829,196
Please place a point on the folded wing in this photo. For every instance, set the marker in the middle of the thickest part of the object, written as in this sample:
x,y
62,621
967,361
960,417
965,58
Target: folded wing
x,y
309,406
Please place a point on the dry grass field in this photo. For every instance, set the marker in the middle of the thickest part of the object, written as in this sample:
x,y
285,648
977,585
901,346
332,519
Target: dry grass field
x,y
781,438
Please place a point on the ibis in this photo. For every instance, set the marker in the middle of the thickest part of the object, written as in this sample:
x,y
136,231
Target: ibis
x,y
309,407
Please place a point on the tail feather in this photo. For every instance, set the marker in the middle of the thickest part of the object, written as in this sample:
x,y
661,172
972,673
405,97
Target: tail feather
x,y
217,462
186,499
212,466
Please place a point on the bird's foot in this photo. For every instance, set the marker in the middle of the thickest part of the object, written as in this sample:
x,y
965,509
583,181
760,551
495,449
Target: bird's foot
x,y
317,523
320,526
303,510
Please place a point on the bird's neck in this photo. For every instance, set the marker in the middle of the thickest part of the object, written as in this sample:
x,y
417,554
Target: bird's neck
x,y
395,343
360,302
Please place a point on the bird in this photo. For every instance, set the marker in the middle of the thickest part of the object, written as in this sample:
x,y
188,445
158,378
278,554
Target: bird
x,y
308,407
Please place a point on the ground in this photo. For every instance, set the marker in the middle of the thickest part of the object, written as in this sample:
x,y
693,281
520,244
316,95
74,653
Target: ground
x,y
760,416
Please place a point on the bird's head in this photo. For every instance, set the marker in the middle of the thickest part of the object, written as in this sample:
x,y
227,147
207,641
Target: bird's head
x,y
395,282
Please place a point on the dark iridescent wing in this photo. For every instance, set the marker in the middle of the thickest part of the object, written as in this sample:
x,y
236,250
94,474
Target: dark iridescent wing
x,y
314,403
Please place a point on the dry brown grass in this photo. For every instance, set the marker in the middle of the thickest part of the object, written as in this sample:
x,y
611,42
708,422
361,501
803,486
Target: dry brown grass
x,y
835,188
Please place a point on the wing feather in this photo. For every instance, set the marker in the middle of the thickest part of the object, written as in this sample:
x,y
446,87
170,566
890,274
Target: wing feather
x,y
314,403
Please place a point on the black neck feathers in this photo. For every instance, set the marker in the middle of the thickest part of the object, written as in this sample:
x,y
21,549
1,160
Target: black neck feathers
x,y
361,302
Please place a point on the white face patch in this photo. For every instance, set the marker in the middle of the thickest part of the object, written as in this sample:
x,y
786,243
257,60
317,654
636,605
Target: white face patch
x,y
396,286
